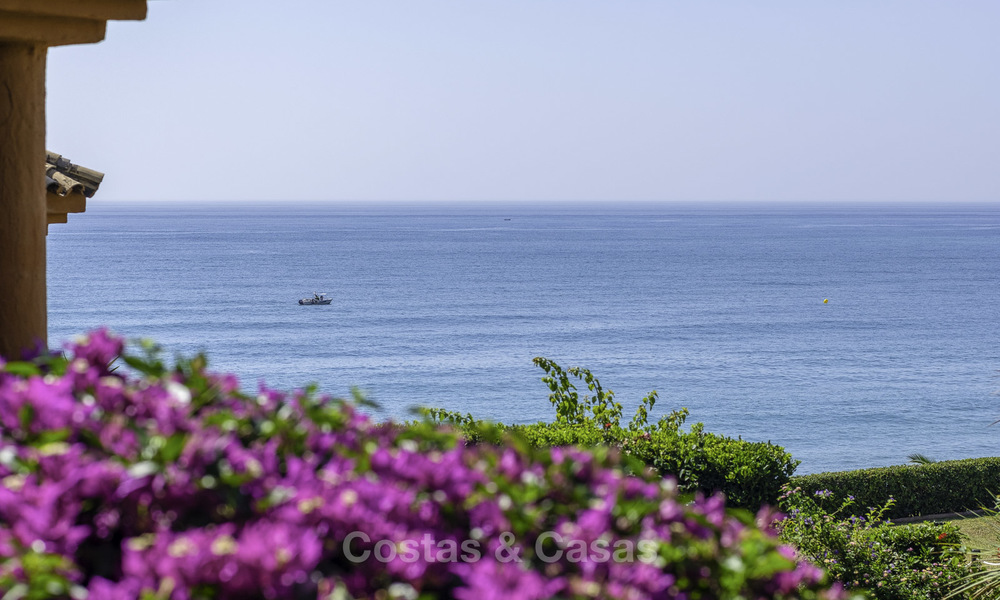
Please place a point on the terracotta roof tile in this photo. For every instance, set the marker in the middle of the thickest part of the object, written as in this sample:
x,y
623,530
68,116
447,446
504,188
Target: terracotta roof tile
x,y
63,177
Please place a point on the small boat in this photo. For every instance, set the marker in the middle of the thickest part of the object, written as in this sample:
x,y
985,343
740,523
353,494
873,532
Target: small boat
x,y
316,299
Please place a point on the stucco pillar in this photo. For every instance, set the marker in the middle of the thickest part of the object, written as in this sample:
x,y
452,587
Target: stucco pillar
x,y
23,321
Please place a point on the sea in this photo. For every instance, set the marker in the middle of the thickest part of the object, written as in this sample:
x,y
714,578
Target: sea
x,y
853,335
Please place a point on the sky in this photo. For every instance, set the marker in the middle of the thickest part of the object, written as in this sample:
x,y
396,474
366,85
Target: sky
x,y
524,100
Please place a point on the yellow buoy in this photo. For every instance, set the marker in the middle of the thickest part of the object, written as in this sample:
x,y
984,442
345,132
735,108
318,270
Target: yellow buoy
x,y
826,300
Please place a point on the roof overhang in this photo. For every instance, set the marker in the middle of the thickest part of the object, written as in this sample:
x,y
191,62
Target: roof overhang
x,y
67,187
57,208
61,22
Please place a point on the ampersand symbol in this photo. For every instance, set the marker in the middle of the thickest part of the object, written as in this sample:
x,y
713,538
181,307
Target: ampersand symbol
x,y
507,552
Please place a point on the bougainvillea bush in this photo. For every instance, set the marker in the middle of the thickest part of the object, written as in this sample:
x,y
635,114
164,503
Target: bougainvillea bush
x,y
123,478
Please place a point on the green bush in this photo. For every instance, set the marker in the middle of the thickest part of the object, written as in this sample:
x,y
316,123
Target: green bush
x,y
935,488
750,474
907,562
544,435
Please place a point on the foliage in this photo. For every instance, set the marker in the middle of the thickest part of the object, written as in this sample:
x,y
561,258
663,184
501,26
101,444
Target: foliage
x,y
927,489
906,562
750,474
169,484
920,459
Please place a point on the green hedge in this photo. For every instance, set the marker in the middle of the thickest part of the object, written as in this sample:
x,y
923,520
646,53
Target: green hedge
x,y
935,488
750,474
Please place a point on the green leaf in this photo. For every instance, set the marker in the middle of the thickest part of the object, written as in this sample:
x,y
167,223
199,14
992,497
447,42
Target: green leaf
x,y
22,369
25,415
173,447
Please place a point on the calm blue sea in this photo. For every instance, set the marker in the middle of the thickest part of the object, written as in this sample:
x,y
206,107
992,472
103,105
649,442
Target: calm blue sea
x,y
720,308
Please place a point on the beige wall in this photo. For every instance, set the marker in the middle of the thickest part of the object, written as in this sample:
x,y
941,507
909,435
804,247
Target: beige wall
x,y
23,319
27,29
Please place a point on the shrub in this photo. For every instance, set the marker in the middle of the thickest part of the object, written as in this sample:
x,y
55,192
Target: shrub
x,y
168,484
935,488
749,474
908,562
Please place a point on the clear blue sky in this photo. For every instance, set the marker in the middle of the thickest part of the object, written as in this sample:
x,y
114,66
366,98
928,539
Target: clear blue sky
x,y
795,100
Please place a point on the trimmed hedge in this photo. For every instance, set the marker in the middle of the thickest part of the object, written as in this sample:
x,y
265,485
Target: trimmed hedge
x,y
935,488
749,474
